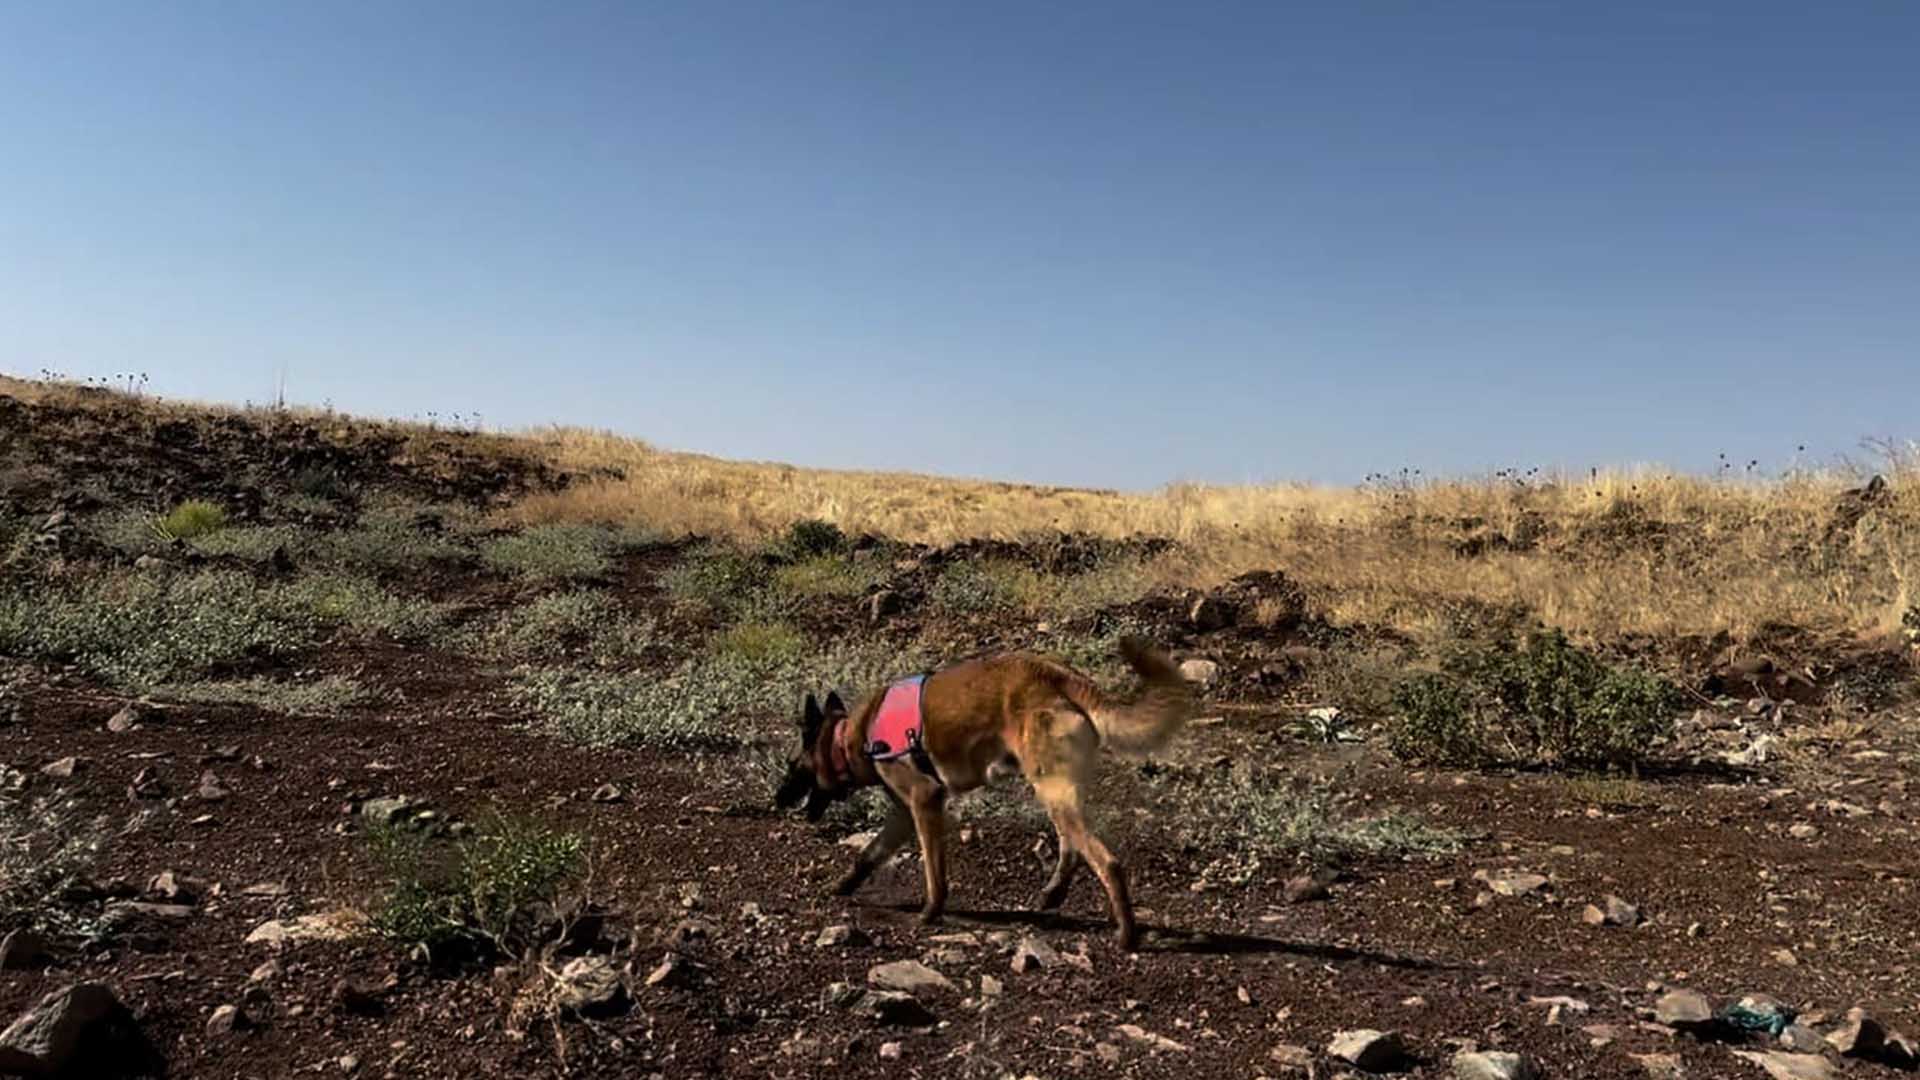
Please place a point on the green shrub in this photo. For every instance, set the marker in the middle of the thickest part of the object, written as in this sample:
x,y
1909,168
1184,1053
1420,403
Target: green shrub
x,y
561,552
561,623
760,642
1545,702
251,543
811,539
392,538
717,577
360,603
193,518
828,576
139,631
129,532
480,893
974,588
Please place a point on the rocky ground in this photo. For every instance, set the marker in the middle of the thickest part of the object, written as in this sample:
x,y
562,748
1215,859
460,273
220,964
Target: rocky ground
x,y
1743,908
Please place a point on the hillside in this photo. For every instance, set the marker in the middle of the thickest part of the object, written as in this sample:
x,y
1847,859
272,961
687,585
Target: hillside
x,y
453,753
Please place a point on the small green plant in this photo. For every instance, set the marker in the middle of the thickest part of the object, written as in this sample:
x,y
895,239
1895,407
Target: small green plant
x,y
811,539
392,538
481,893
828,576
360,603
249,543
191,519
975,588
1545,702
996,585
760,642
717,577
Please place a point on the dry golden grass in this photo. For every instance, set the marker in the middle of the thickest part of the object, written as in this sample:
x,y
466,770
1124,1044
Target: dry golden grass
x,y
1608,557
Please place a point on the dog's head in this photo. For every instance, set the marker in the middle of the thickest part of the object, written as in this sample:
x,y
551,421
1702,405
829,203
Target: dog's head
x,y
810,776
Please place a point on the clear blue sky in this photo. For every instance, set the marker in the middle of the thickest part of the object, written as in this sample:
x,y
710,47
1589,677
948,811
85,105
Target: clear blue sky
x,y
1106,243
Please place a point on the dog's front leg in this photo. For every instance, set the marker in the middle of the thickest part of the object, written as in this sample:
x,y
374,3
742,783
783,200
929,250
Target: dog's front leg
x,y
929,805
892,835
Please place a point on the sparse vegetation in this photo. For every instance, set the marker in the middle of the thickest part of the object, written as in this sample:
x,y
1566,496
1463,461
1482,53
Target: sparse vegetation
x,y
580,621
824,576
717,577
996,585
47,846
1544,702
760,643
323,695
479,894
392,538
361,604
140,631
561,552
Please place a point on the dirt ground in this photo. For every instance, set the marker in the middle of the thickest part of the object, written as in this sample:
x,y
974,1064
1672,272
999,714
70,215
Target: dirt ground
x,y
1755,879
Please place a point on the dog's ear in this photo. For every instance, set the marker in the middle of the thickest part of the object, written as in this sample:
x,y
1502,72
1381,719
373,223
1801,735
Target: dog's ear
x,y
836,708
811,718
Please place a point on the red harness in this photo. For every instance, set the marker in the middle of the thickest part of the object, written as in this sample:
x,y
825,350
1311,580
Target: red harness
x,y
896,730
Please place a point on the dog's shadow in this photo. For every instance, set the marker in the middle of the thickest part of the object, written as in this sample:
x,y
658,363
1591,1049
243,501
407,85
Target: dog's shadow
x,y
1160,939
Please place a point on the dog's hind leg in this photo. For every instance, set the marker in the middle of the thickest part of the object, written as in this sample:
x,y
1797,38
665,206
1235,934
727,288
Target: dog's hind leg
x,y
1065,863
1061,773
892,836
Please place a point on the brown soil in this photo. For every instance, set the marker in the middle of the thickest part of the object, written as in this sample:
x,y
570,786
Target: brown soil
x,y
1228,972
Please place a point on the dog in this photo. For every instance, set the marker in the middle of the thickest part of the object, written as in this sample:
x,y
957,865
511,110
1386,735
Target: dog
x,y
942,734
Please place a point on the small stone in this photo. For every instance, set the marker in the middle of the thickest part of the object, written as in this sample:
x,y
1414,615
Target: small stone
x,y
1612,911
211,789
61,769
1803,831
357,998
909,977
1511,882
348,1063
171,886
1684,1009
607,793
1210,613
1660,1066
587,984
1492,1065
22,950
1199,672
1150,1039
1801,1037
991,987
1781,1065
890,1051
392,810
223,1021
1368,1050
125,720
1033,955
842,936
668,970
1291,1057
1785,958
266,973
1307,888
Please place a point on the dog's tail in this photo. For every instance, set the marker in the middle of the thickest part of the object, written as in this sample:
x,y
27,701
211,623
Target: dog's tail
x,y
1157,711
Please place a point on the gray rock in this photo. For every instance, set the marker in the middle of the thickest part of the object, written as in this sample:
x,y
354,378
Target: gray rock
x,y
61,769
1687,1010
392,810
1292,1058
22,950
169,885
1032,954
81,1030
1803,1038
1492,1065
607,793
211,789
587,984
126,719
224,1021
1199,672
1782,1065
881,1006
1612,911
1307,888
1512,882
1660,1066
1369,1050
842,936
1210,613
910,977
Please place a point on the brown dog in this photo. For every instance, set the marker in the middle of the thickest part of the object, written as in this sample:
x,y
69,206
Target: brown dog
x,y
1017,710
